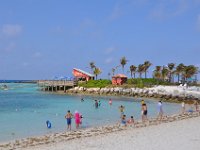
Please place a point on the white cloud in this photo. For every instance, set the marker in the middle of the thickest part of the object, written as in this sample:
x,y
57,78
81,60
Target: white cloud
x,y
10,30
25,64
10,46
110,50
108,60
169,8
37,55
57,29
116,13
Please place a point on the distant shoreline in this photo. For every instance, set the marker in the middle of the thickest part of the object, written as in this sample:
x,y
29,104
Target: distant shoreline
x,y
18,81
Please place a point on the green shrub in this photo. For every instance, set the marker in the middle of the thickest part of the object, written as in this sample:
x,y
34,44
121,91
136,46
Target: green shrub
x,y
95,83
146,82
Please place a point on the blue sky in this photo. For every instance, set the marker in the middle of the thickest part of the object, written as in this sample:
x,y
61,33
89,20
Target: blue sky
x,y
40,39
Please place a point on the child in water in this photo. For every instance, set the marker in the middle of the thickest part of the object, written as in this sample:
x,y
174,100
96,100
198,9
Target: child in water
x,y
123,120
131,120
121,109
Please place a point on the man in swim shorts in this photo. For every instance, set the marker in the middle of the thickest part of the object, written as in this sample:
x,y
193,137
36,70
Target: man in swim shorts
x,y
69,116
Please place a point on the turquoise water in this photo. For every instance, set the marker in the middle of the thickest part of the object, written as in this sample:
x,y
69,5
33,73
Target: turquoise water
x,y
24,110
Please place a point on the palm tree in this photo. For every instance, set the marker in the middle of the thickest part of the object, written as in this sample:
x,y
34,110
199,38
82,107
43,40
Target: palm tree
x,y
113,71
92,66
147,64
179,70
189,71
133,70
157,72
140,69
123,62
164,73
171,67
97,71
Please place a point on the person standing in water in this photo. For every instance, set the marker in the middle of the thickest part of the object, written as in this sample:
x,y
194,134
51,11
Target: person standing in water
x,y
160,110
123,120
121,109
99,103
183,107
196,105
69,116
96,104
77,118
110,102
144,112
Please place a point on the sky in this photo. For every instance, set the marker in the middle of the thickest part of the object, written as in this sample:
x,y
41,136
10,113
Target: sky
x,y
40,39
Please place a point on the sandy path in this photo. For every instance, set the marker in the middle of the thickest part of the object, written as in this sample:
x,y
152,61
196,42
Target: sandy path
x,y
182,135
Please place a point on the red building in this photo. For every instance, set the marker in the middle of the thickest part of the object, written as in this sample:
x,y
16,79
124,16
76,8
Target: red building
x,y
119,79
80,74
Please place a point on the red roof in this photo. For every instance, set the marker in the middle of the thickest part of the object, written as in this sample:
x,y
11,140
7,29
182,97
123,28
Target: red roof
x,y
120,76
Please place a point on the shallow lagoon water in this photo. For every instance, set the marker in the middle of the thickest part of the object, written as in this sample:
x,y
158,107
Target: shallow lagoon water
x,y
24,110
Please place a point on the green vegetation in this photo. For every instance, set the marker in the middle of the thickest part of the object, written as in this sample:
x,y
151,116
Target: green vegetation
x,y
137,82
146,82
95,83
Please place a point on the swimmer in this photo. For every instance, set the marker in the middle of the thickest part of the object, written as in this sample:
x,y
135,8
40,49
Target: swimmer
x,y
82,100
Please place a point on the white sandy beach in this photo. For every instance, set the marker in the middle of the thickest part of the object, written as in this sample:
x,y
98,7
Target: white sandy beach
x,y
182,135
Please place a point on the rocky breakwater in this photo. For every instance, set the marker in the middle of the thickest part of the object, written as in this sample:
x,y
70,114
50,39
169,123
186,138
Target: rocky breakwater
x,y
166,93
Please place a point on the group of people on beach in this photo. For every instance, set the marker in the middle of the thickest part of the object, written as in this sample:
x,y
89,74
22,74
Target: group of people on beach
x,y
144,112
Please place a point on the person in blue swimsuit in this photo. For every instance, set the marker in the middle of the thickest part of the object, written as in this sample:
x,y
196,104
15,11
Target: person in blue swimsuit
x,y
123,120
69,116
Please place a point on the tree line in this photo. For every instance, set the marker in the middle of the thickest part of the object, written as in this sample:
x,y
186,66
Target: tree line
x,y
164,73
